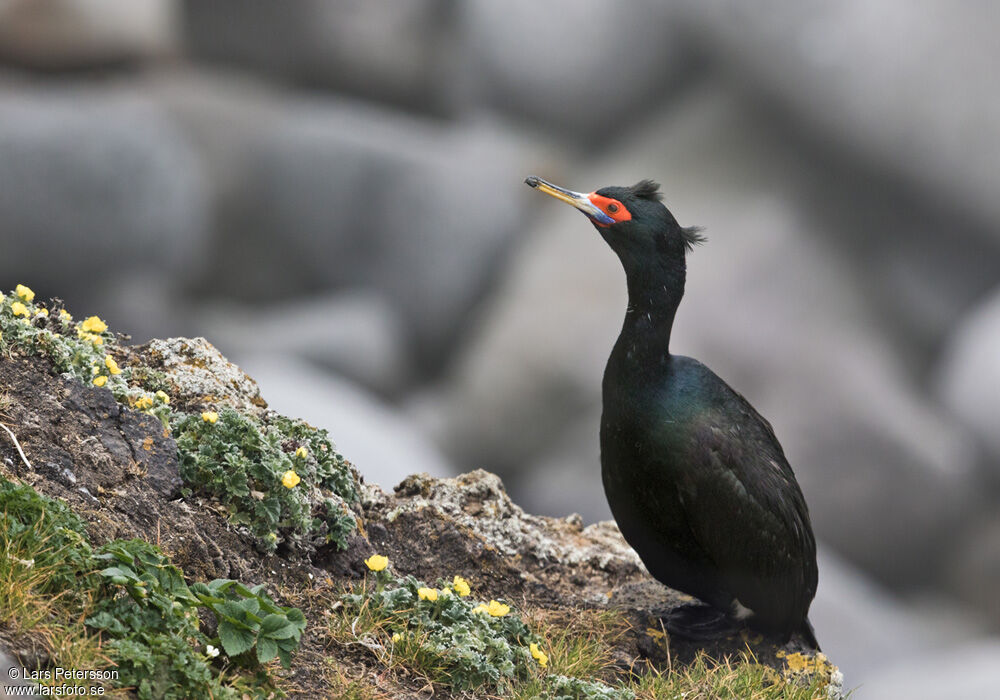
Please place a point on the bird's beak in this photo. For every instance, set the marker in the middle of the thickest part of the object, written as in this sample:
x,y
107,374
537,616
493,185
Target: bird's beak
x,y
576,199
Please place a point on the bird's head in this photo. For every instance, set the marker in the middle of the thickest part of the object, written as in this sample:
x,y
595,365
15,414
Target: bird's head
x,y
632,220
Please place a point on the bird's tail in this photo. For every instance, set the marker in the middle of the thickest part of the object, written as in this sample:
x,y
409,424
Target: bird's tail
x,y
809,634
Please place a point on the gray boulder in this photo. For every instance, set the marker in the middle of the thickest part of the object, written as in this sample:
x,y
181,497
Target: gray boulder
x,y
578,69
75,34
968,379
908,86
320,194
339,196
358,336
401,53
96,184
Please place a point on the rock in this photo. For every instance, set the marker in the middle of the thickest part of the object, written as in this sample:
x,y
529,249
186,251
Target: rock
x,y
429,528
75,34
358,199
325,194
202,378
367,431
96,184
478,501
769,307
829,64
10,672
358,336
969,374
563,65
438,526
376,49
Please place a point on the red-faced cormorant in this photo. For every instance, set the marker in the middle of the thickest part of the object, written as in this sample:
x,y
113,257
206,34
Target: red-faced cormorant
x,y
695,477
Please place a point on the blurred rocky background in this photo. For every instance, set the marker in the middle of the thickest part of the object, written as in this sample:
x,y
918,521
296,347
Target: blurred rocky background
x,y
331,192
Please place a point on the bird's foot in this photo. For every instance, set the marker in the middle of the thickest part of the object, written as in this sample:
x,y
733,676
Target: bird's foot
x,y
699,622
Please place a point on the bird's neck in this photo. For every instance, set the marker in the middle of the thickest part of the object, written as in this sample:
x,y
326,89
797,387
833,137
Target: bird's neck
x,y
652,305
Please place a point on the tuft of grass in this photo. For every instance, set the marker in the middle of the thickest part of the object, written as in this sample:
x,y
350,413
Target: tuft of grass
x,y
741,678
579,643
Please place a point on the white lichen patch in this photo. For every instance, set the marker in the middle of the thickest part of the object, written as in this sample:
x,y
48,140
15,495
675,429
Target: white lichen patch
x,y
479,502
203,375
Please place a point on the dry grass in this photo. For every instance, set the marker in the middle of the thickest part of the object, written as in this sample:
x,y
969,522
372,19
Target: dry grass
x,y
51,625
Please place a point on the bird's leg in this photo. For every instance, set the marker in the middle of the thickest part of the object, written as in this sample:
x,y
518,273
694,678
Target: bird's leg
x,y
699,622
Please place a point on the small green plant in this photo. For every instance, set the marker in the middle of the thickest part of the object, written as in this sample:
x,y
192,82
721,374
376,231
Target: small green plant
x,y
83,350
440,632
282,479
567,688
129,593
78,349
248,619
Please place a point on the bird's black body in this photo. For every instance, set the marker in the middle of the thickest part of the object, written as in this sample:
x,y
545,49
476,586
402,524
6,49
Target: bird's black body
x,y
695,477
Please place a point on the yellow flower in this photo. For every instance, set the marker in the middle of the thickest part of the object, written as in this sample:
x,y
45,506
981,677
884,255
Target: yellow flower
x,y
94,325
302,452
427,594
377,562
461,586
540,656
24,293
100,381
42,312
446,591
162,396
19,309
497,609
396,636
290,480
65,315
112,366
144,402
481,608
95,339
210,416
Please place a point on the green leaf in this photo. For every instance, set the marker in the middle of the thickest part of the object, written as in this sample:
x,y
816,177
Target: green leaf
x,y
267,649
276,627
286,658
119,572
235,640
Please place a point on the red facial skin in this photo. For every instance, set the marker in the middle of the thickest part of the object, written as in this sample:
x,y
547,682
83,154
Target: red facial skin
x,y
612,207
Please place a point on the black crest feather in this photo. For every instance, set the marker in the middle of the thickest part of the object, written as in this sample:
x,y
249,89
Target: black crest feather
x,y
647,189
692,236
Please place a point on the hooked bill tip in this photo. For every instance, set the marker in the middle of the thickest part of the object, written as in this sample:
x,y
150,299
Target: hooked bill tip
x,y
531,181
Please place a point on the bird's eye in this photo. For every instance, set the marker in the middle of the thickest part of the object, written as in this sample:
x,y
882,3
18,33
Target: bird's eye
x,y
612,208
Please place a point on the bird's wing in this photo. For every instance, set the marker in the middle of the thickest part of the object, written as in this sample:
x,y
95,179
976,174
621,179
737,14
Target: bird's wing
x,y
746,511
